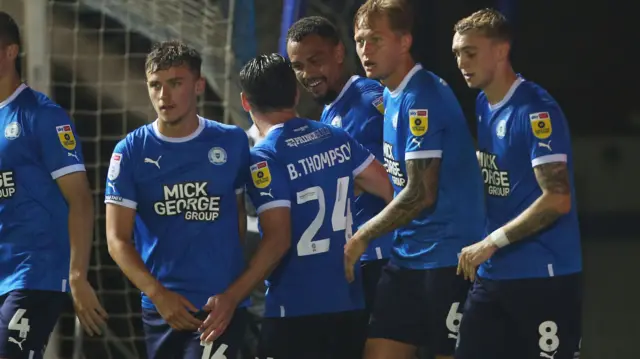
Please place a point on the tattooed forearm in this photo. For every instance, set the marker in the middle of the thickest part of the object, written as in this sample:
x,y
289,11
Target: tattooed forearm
x,y
555,201
420,193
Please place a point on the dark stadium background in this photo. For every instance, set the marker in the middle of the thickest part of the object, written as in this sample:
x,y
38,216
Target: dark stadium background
x,y
581,52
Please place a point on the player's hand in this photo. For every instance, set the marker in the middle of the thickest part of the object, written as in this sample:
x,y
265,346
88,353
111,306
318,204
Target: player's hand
x,y
221,308
174,309
87,306
474,255
353,250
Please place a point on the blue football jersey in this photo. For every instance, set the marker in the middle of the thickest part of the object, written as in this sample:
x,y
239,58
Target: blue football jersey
x,y
524,130
424,120
359,110
184,192
38,147
310,167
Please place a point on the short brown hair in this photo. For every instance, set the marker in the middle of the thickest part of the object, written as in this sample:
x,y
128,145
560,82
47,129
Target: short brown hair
x,y
491,23
398,12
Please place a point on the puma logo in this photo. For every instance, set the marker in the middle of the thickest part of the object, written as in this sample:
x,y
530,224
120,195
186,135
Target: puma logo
x,y
267,193
74,155
546,145
548,356
416,141
111,185
155,162
15,341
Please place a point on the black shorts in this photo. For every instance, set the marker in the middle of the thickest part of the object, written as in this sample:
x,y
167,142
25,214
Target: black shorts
x,y
163,342
334,335
419,307
371,272
525,319
27,318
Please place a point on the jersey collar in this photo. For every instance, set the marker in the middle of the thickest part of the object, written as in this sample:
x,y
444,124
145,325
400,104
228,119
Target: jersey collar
x,y
346,86
405,81
190,137
507,97
13,96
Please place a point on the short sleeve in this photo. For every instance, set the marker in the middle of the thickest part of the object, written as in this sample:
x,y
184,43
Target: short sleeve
x,y
59,147
360,156
545,133
120,187
269,185
243,175
423,125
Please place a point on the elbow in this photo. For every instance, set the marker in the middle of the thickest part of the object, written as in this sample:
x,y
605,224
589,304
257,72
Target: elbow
x,y
561,203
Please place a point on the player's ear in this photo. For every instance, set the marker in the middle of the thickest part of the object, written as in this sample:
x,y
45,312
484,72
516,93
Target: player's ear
x,y
406,40
200,84
503,50
13,51
245,102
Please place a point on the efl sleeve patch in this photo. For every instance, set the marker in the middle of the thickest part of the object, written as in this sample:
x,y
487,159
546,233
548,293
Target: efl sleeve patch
x,y
418,122
540,124
379,104
66,137
114,166
261,175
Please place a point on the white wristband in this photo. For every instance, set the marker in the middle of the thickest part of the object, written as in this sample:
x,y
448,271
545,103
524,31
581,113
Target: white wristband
x,y
499,238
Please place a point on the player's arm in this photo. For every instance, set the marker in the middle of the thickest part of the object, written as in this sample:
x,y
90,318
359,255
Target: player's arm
x,y
274,215
62,156
375,180
555,201
119,228
423,151
242,216
121,208
242,178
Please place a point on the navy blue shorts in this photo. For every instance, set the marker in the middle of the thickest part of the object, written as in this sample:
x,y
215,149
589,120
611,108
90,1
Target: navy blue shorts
x,y
524,319
371,272
27,318
419,307
163,342
334,335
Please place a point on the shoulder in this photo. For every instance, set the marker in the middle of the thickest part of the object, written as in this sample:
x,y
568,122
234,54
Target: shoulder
x,y
531,99
221,128
134,139
37,106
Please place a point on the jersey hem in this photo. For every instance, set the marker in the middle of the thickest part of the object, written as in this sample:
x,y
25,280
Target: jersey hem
x,y
66,170
363,165
273,204
558,157
124,203
483,274
418,155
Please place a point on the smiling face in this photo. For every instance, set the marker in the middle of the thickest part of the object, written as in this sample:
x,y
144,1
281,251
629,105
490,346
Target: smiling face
x,y
318,63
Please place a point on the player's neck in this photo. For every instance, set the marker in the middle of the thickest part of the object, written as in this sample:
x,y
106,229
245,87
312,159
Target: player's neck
x,y
264,121
341,83
499,87
184,128
8,85
395,79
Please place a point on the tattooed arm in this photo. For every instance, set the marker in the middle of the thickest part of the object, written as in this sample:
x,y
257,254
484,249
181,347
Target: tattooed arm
x,y
553,179
420,193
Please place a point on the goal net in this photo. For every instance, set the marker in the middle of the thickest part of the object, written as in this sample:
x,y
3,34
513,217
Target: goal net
x,y
96,51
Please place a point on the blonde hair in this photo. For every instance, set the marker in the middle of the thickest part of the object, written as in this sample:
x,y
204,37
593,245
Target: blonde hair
x,y
491,23
398,12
